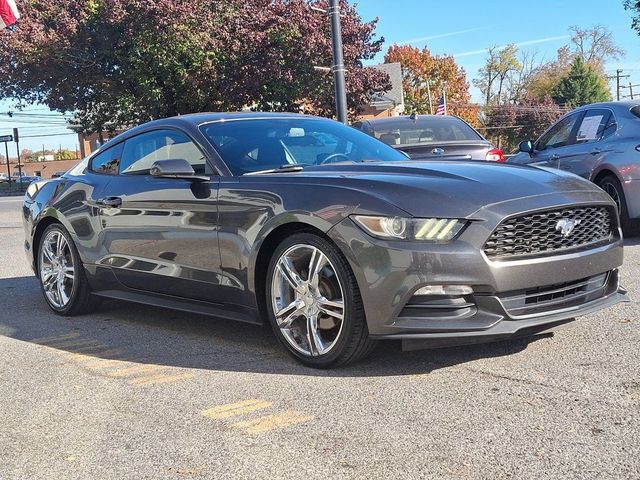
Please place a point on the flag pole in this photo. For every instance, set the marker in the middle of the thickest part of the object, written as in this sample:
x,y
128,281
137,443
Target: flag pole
x,y
444,98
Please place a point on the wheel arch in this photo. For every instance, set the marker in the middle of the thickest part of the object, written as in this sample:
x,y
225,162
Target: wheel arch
x,y
39,229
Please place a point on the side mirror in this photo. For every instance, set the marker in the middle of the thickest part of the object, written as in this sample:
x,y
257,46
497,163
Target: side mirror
x,y
526,146
175,168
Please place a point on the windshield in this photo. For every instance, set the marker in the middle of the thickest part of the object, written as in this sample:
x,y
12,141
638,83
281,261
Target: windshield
x,y
424,130
262,144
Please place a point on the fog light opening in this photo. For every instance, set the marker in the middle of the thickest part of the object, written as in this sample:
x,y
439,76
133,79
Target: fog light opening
x,y
449,290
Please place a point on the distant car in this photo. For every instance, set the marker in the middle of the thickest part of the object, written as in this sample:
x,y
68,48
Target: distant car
x,y
600,142
25,179
57,174
4,178
432,137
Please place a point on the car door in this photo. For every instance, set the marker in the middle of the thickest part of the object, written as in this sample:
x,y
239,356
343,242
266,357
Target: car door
x,y
590,146
161,234
555,142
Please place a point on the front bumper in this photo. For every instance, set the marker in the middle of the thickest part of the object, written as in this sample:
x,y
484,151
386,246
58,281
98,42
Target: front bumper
x,y
389,274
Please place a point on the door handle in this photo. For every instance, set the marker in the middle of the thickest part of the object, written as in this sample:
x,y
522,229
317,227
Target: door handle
x,y
596,151
555,156
109,202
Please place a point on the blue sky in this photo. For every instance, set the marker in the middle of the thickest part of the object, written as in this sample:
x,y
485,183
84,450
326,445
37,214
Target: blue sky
x,y
463,28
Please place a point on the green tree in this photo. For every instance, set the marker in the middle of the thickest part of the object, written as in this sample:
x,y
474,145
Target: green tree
x,y
65,154
498,73
581,85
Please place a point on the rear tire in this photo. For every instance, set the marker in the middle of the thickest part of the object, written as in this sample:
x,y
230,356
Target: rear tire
x,y
612,186
318,317
61,274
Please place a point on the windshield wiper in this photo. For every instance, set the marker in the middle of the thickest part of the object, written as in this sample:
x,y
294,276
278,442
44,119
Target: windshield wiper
x,y
281,169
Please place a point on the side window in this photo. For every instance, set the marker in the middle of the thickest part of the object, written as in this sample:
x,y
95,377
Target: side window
x,y
593,126
107,162
142,151
560,133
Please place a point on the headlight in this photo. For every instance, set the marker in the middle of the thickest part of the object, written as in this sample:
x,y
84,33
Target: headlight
x,y
425,229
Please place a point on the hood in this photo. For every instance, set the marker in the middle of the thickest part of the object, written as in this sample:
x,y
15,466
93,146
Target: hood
x,y
451,189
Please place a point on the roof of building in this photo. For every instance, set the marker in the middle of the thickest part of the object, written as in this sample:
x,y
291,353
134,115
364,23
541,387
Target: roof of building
x,y
395,95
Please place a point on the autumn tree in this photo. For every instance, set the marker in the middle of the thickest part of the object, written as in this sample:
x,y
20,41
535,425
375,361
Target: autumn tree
x,y
116,63
595,45
497,78
508,124
426,76
581,85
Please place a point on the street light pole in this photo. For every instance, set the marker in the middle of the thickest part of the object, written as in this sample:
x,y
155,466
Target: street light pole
x,y
338,61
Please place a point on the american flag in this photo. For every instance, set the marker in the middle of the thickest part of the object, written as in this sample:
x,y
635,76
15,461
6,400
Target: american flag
x,y
8,13
442,105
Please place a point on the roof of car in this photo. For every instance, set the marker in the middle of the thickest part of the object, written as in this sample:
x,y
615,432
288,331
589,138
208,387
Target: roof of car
x,y
390,122
624,104
200,118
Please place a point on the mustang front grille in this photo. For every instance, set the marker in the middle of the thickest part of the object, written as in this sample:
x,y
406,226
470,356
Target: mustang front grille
x,y
550,231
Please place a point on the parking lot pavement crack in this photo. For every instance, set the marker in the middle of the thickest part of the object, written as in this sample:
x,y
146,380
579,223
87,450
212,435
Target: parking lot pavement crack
x,y
527,381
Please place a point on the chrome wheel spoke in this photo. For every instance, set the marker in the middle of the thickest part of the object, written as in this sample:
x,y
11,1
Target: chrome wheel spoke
x,y
68,271
48,253
288,271
60,243
316,263
334,308
289,313
316,346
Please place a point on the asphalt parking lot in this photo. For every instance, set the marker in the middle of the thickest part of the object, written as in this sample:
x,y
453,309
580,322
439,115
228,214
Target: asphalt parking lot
x,y
139,392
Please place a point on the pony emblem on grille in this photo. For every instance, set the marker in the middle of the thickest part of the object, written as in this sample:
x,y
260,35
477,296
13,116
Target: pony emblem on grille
x,y
566,226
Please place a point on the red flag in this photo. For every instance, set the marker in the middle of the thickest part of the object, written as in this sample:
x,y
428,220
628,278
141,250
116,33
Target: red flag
x,y
8,13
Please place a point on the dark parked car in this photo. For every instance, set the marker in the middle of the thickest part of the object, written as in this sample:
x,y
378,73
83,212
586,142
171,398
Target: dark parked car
x,y
432,137
600,142
333,237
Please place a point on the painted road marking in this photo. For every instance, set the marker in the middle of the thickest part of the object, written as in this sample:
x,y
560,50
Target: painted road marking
x,y
156,379
130,371
70,344
66,336
233,409
100,364
82,357
271,422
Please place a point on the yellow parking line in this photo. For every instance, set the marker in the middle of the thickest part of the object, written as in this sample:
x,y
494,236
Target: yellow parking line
x,y
100,364
271,422
83,357
233,409
125,372
66,336
72,344
156,379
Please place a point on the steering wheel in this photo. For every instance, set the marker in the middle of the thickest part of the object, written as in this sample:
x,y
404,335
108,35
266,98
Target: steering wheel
x,y
332,156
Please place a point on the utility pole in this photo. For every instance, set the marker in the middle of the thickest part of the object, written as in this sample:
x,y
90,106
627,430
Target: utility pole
x,y
631,90
338,61
16,138
618,77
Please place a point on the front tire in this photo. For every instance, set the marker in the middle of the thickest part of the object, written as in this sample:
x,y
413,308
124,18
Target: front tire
x,y
61,274
314,303
612,186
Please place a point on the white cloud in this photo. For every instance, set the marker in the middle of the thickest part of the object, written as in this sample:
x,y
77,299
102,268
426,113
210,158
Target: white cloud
x,y
519,44
444,35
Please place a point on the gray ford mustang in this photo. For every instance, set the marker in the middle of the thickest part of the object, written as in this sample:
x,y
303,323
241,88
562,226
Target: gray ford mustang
x,y
331,236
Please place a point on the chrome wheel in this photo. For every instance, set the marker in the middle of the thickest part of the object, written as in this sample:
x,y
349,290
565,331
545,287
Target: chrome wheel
x,y
56,268
307,300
